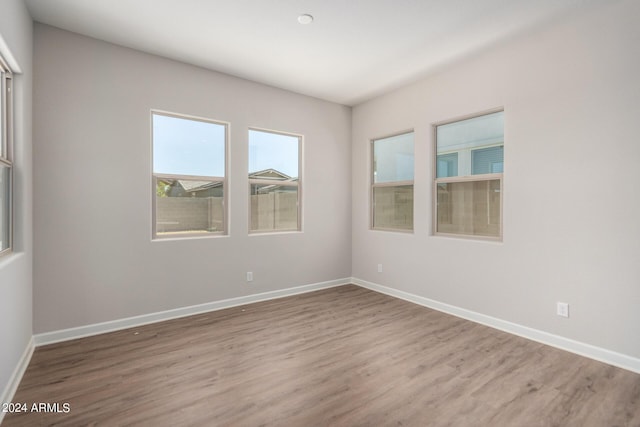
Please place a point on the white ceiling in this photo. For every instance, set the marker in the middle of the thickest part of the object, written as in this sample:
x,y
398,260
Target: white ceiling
x,y
353,51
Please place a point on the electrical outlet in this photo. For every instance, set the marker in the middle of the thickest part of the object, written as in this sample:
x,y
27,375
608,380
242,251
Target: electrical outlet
x,y
249,276
562,309
379,268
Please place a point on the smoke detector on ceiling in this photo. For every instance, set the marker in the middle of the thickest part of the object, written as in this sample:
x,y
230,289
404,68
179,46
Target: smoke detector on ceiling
x,y
305,19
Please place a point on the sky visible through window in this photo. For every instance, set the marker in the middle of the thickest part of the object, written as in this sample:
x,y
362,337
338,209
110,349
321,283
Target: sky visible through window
x,y
188,147
269,150
184,146
393,158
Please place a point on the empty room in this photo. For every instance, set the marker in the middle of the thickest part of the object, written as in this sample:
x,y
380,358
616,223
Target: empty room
x,y
320,213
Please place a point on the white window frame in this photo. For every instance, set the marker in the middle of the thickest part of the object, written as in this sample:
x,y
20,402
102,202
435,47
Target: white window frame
x,y
224,180
297,183
465,178
375,185
6,141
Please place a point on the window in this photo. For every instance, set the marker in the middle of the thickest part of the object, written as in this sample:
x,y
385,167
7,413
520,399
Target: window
x,y
6,171
392,183
274,181
468,183
447,165
189,176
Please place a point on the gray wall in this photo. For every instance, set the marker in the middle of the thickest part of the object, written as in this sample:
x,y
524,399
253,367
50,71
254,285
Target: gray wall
x,y
572,168
16,269
94,263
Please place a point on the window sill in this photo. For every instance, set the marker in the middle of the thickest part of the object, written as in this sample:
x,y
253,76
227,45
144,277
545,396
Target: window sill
x,y
393,230
273,233
481,239
188,236
9,257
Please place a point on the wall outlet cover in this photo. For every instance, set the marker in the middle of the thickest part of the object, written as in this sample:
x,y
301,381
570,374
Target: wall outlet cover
x,y
562,309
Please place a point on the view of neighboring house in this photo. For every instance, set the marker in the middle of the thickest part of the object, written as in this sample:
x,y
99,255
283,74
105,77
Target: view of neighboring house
x,y
274,175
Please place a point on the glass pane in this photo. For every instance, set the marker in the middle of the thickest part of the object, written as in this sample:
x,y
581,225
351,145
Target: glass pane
x,y
273,155
464,137
393,158
447,165
393,207
274,207
5,207
2,112
188,147
487,160
470,208
189,206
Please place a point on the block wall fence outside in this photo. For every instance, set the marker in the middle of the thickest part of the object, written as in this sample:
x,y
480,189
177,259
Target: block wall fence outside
x,y
268,212
274,211
189,214
394,207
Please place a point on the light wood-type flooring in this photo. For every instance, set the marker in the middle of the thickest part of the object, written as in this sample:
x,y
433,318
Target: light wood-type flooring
x,y
344,356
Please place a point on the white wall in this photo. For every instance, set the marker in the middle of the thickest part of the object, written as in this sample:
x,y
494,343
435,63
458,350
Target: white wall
x,y
572,168
92,150
15,269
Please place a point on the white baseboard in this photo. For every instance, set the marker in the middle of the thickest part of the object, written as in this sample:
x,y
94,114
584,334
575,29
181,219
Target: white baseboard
x,y
16,377
130,322
587,350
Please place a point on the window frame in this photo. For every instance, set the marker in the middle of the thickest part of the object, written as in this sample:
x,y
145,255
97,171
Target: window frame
x,y
297,184
6,142
373,185
224,180
465,178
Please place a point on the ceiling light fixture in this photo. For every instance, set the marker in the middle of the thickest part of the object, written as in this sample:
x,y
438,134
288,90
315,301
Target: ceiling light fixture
x,y
305,19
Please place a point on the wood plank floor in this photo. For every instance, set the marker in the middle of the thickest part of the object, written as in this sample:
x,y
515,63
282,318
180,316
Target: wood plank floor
x,y
344,356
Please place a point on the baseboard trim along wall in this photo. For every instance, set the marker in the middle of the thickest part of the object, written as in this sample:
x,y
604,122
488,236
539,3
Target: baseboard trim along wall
x,y
130,322
580,348
16,377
